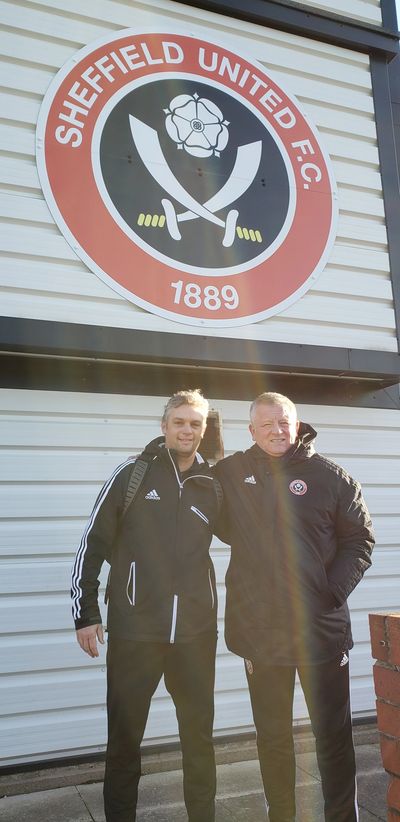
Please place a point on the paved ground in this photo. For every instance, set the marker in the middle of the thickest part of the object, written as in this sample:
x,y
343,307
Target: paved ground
x,y
239,798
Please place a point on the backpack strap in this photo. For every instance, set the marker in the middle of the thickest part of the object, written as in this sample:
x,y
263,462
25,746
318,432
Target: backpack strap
x,y
136,478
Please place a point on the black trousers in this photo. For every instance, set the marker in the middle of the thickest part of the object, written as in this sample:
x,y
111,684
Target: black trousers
x,y
326,690
134,670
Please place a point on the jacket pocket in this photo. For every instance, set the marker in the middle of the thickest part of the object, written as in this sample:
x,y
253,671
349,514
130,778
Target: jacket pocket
x,y
131,584
199,514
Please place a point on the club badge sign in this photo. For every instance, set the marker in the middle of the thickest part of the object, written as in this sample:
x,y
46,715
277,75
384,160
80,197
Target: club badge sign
x,y
186,177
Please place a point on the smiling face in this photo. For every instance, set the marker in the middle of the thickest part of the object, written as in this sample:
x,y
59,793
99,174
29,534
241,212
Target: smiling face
x,y
183,429
274,428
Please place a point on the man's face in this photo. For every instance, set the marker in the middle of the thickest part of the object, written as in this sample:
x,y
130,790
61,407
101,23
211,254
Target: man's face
x,y
274,428
183,430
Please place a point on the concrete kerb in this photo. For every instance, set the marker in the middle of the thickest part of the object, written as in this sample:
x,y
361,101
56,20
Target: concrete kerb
x,y
227,751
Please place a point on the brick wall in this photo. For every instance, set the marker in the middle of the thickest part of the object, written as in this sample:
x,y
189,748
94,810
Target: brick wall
x,y
385,643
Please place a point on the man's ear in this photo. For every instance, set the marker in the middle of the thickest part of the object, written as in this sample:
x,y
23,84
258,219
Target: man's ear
x,y
297,426
251,429
163,426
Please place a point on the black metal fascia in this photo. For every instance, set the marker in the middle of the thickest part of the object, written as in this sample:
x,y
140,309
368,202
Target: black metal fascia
x,y
389,167
70,340
309,22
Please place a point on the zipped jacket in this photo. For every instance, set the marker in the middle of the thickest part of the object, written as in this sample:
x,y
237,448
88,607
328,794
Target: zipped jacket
x,y
301,540
162,581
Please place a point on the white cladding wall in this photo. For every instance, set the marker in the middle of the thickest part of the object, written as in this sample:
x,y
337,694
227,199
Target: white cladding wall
x,y
363,11
351,303
56,450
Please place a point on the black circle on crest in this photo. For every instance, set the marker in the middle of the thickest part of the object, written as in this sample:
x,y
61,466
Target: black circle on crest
x,y
134,191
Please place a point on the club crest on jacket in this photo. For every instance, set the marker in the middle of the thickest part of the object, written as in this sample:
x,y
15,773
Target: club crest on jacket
x,y
298,487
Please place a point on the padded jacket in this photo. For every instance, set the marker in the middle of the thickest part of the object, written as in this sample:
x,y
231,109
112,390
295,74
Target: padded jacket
x,y
301,539
162,583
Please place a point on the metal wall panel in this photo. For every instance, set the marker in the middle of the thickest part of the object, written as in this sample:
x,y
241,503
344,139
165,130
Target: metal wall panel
x,y
56,449
351,303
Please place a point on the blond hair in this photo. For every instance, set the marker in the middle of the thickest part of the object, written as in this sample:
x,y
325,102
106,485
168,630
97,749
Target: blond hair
x,y
273,398
192,397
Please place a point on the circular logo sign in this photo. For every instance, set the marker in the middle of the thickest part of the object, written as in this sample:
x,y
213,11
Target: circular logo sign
x,y
185,177
298,487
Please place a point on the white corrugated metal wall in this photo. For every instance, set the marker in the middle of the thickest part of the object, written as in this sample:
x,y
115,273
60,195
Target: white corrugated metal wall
x,y
51,699
350,304
56,449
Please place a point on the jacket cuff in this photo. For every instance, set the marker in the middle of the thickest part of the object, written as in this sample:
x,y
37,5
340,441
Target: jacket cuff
x,y
84,623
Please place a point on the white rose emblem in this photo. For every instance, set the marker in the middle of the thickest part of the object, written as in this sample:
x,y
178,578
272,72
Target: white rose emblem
x,y
197,125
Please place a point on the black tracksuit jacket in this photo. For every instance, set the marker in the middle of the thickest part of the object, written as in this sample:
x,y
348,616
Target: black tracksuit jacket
x,y
301,539
162,582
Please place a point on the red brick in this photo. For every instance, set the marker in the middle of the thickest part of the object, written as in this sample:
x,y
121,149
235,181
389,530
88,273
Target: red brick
x,y
393,816
393,633
390,752
388,718
393,794
387,683
377,628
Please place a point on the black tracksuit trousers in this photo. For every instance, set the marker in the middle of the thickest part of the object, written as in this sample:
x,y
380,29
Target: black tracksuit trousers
x,y
134,670
326,690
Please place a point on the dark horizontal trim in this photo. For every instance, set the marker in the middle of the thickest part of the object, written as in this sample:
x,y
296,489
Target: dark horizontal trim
x,y
42,337
41,355
32,373
308,22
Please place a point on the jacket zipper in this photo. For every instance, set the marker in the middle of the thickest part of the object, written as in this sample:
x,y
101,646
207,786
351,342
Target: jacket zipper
x,y
175,596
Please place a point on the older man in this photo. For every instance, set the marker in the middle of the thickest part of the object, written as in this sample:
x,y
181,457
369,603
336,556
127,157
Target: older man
x,y
162,605
301,540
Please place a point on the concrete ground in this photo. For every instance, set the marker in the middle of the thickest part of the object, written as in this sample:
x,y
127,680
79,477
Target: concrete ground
x,y
74,793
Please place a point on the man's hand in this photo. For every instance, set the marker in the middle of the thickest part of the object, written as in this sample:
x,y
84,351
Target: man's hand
x,y
87,638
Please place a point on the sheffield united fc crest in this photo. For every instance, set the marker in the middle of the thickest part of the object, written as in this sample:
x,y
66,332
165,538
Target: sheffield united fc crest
x,y
186,178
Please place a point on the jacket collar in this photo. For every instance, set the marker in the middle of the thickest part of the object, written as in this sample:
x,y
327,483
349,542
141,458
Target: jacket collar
x,y
156,448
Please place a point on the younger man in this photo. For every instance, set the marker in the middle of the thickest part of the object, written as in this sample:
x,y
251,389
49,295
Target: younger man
x,y
162,606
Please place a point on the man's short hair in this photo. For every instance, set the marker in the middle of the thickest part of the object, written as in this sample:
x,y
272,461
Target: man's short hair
x,y
273,398
192,397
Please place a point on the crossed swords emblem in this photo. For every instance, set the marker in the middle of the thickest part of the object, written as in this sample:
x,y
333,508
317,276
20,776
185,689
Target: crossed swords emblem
x,y
240,179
